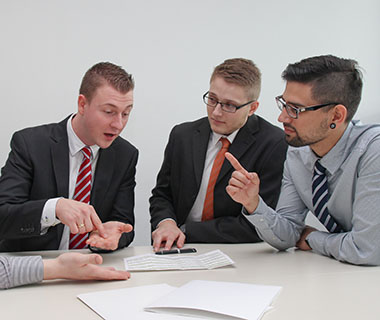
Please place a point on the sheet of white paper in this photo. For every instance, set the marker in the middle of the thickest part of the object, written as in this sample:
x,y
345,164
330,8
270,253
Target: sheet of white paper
x,y
128,303
151,261
238,300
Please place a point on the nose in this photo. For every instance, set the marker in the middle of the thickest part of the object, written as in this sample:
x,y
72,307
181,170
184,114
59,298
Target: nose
x,y
118,122
218,109
284,117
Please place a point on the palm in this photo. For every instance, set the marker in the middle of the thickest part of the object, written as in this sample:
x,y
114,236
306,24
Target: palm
x,y
114,230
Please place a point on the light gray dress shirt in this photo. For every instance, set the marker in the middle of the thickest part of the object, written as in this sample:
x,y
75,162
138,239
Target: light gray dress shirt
x,y
18,271
353,174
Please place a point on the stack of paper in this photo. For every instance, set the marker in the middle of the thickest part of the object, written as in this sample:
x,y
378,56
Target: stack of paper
x,y
151,261
196,299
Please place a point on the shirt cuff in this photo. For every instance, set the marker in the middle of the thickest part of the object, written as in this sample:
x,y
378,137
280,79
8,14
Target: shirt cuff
x,y
48,218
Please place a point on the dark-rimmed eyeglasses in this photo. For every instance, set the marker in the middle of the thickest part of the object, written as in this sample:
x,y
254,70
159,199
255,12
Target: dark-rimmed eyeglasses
x,y
293,112
227,107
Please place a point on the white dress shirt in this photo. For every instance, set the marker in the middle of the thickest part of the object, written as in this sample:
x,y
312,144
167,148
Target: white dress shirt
x,y
214,146
48,218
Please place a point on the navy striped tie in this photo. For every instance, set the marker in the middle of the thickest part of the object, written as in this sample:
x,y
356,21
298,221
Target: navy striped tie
x,y
320,198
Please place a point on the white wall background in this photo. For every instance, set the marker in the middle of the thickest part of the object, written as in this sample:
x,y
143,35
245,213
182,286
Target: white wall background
x,y
171,48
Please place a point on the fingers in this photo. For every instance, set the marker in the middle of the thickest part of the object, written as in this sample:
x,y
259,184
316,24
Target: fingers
x,y
181,240
157,242
169,243
234,162
98,225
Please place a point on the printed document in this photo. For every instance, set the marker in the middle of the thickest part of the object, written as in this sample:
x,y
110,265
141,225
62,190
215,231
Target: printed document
x,y
150,262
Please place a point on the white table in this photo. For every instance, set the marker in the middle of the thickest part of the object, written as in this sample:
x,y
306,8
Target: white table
x,y
314,287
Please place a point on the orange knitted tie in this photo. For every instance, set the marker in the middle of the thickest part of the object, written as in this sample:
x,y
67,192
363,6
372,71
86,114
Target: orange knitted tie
x,y
208,207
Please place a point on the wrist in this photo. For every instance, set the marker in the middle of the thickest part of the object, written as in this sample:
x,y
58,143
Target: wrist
x,y
251,206
50,269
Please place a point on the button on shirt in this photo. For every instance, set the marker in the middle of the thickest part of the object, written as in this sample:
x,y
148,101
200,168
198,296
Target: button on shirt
x,y
353,174
48,217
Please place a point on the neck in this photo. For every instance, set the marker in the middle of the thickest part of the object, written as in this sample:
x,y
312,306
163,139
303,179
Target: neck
x,y
323,147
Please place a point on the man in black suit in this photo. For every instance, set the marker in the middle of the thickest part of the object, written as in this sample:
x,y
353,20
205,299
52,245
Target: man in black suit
x,y
177,205
37,210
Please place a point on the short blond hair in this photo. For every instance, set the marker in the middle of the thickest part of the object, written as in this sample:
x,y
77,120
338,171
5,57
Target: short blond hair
x,y
242,72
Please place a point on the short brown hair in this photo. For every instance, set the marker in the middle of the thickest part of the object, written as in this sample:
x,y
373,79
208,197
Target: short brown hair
x,y
242,72
105,73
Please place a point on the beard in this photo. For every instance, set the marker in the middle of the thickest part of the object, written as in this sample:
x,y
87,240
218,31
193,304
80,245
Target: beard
x,y
311,138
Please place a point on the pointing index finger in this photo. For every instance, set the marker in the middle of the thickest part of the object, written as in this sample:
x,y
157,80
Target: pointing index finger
x,y
235,163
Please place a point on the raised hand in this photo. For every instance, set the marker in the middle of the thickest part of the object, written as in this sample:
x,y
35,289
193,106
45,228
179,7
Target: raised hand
x,y
166,234
114,230
243,186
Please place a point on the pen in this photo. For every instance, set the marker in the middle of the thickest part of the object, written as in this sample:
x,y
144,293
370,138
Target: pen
x,y
187,250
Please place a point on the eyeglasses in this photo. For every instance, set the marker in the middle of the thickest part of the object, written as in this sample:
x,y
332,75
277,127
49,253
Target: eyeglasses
x,y
293,112
227,107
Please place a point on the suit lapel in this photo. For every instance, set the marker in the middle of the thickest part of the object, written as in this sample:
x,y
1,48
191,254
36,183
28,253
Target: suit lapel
x,y
200,140
60,158
103,175
242,142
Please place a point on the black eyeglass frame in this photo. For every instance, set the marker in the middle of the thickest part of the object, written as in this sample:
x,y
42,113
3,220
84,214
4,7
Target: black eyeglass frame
x,y
222,105
281,104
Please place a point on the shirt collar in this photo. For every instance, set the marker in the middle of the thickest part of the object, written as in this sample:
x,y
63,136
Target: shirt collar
x,y
333,160
215,137
76,144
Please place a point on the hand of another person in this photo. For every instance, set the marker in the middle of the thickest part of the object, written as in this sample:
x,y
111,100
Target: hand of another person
x,y
78,216
78,266
166,234
301,243
114,230
243,186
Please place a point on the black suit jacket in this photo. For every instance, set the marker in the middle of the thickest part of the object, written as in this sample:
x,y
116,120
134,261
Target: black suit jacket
x,y
259,146
37,169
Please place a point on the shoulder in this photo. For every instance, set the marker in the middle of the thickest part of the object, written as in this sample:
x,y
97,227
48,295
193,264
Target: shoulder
x,y
364,135
189,126
122,145
266,126
42,132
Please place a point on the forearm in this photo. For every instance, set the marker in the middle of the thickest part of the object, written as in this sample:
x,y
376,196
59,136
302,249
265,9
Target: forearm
x,y
361,248
18,271
279,231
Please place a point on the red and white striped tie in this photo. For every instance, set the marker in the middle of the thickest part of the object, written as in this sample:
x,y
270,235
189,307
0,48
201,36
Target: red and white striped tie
x,y
82,193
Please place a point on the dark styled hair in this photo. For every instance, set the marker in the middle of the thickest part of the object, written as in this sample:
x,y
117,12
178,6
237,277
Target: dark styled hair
x,y
242,72
105,73
333,79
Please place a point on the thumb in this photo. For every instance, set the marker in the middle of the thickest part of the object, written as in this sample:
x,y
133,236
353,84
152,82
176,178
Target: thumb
x,y
126,227
94,259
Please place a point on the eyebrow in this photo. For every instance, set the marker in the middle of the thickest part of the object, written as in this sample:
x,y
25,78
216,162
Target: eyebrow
x,y
293,103
229,101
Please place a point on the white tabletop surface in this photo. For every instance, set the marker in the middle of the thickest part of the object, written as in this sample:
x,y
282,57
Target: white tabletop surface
x,y
314,286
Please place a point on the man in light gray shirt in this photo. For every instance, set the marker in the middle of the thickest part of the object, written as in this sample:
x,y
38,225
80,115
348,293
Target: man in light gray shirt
x,y
332,167
17,271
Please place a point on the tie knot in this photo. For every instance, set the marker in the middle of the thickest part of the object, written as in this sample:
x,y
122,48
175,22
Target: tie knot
x,y
87,152
225,143
319,169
